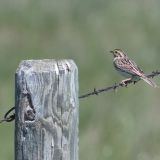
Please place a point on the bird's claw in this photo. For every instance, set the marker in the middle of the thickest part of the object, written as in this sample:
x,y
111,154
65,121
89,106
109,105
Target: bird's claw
x,y
123,84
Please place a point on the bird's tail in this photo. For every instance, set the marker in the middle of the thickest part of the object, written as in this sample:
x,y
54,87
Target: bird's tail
x,y
149,81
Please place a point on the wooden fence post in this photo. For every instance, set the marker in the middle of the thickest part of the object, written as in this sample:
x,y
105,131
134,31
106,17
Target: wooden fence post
x,y
47,110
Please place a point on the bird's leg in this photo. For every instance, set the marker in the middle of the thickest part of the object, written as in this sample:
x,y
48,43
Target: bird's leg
x,y
134,79
124,82
134,82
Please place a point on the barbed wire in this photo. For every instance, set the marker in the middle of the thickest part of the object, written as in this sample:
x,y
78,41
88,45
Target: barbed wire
x,y
116,86
8,117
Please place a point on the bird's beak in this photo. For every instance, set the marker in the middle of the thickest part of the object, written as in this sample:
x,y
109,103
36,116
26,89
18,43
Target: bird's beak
x,y
111,51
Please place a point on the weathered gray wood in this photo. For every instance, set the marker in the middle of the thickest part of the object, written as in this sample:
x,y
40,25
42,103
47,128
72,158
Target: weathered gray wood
x,y
46,110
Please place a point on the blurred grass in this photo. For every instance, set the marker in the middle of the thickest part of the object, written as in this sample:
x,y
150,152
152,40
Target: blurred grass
x,y
123,125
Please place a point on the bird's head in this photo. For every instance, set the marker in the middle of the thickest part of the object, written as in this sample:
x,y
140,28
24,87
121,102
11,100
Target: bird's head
x,y
118,53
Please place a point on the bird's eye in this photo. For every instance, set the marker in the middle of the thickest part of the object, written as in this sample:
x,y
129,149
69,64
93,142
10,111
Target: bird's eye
x,y
116,52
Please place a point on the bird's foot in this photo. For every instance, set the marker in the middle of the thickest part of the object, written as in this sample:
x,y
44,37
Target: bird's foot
x,y
124,82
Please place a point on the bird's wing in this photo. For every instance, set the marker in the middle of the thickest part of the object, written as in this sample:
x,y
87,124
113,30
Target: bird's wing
x,y
129,66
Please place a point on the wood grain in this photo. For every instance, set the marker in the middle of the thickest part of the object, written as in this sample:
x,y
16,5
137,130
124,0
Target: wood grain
x,y
47,110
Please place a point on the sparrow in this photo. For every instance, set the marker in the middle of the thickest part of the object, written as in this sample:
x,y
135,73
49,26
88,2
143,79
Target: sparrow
x,y
128,68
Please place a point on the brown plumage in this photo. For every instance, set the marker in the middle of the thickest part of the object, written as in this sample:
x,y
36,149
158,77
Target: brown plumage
x,y
129,68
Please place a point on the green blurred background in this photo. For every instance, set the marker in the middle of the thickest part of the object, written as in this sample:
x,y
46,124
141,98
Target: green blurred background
x,y
115,126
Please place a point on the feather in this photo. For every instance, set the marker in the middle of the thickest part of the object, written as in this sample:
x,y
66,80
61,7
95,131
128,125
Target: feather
x,y
149,81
